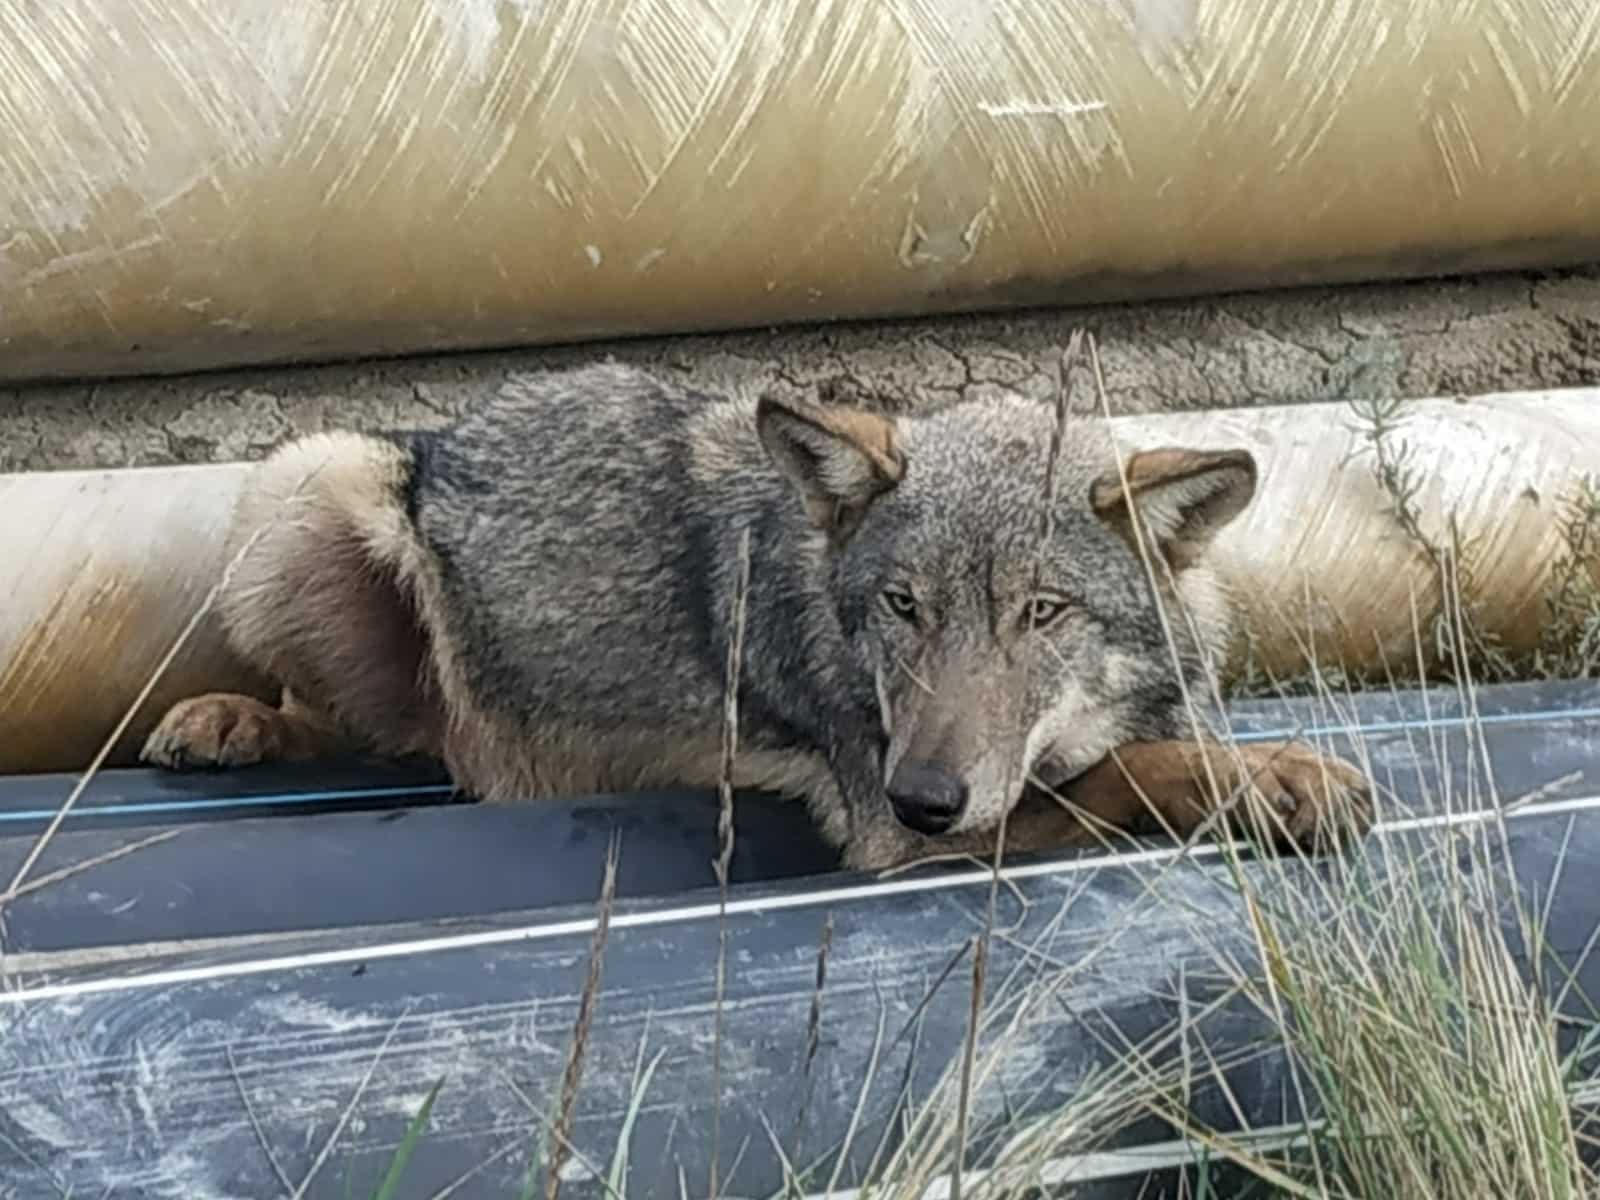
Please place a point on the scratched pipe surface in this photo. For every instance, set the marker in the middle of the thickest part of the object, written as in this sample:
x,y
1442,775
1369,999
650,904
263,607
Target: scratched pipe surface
x,y
116,563
194,183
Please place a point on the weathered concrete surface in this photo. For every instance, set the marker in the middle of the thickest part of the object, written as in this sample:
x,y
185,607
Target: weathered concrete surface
x,y
1432,338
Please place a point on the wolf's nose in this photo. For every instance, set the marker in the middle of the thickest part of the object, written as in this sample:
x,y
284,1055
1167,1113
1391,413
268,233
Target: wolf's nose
x,y
926,797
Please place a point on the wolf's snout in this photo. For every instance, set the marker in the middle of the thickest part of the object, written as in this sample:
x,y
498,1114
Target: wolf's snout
x,y
926,797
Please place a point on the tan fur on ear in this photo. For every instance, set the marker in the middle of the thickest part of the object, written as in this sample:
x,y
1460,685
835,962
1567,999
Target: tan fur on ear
x,y
840,459
871,433
1183,497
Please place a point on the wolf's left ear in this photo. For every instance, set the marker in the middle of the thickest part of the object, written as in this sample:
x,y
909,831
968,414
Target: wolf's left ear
x,y
839,459
1183,498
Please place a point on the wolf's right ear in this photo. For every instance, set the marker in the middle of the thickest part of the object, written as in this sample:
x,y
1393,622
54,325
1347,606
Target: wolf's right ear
x,y
839,459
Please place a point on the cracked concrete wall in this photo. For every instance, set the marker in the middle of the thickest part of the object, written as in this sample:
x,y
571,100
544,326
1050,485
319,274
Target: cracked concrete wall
x,y
1419,339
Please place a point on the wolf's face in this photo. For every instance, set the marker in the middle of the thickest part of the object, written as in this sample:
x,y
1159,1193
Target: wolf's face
x,y
1008,639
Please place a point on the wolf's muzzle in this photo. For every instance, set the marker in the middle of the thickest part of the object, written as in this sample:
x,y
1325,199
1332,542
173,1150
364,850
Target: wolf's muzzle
x,y
926,797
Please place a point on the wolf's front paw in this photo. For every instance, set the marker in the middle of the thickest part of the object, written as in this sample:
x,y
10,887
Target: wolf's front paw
x,y
1312,800
883,847
216,730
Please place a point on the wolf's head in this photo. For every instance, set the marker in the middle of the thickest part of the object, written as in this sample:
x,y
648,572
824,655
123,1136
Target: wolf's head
x,y
1009,639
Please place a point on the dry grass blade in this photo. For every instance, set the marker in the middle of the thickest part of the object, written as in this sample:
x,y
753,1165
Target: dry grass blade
x,y
813,1033
88,864
344,1118
572,1074
587,1165
255,1124
931,991
730,749
980,960
110,742
499,1155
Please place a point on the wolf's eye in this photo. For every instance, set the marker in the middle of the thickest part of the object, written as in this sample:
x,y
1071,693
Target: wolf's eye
x,y
1043,610
901,603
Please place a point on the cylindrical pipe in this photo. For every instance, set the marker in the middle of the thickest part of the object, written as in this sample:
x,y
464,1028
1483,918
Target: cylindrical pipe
x,y
115,563
104,572
1358,543
194,183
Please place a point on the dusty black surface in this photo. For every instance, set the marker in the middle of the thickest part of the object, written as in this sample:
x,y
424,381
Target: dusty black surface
x,y
451,942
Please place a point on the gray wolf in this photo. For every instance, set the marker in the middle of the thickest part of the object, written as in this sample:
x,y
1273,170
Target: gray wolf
x,y
938,633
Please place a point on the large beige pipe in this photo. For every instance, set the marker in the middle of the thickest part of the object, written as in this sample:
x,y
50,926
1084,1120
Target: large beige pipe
x,y
193,183
103,570
1322,570
111,565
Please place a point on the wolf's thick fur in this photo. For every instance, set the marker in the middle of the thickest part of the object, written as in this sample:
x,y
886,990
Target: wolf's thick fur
x,y
543,597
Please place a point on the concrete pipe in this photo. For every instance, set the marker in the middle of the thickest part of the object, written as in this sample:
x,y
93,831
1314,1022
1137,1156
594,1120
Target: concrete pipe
x,y
114,564
188,184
